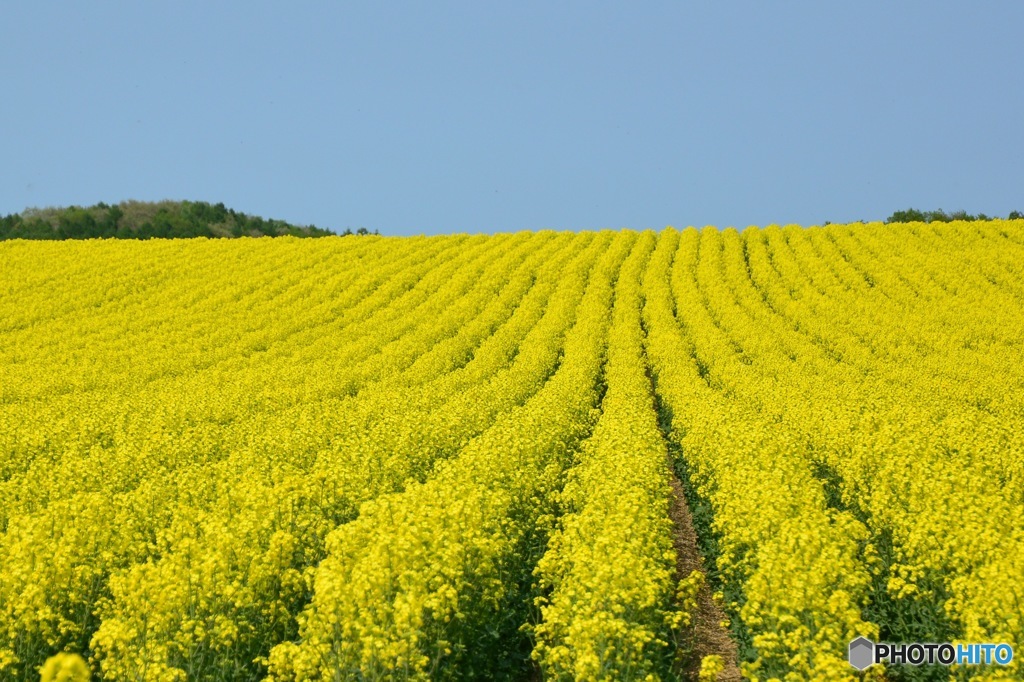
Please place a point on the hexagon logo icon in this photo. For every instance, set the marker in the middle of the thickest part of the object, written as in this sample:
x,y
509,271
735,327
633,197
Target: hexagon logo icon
x,y
861,653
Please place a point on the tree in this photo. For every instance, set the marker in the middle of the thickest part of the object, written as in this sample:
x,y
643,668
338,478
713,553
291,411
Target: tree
x,y
76,223
911,215
111,222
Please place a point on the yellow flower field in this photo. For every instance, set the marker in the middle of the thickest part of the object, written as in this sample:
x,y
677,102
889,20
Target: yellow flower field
x,y
370,458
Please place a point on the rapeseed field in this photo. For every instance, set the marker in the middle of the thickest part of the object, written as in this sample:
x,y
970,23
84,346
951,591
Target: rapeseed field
x,y
454,457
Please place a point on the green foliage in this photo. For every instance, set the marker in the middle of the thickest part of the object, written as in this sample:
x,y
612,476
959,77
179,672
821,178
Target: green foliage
x,y
912,215
147,220
362,231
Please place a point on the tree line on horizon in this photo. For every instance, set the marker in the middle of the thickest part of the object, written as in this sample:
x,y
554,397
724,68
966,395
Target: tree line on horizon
x,y
912,215
147,220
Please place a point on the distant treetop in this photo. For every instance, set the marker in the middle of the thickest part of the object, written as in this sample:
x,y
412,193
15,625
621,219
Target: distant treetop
x,y
145,220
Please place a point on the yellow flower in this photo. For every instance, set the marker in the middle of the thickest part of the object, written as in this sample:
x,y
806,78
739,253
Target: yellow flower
x,y
64,667
710,667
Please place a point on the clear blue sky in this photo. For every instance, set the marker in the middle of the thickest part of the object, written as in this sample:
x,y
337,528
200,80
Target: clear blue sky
x,y
443,117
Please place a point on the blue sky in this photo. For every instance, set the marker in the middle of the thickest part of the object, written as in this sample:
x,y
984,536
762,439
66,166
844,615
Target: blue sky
x,y
477,117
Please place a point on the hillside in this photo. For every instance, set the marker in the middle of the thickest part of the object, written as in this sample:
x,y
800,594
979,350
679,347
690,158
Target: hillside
x,y
616,455
145,220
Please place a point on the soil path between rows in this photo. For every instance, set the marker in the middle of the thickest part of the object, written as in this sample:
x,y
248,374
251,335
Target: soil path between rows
x,y
709,637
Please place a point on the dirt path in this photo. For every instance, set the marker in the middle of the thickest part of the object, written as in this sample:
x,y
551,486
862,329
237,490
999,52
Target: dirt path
x,y
709,637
